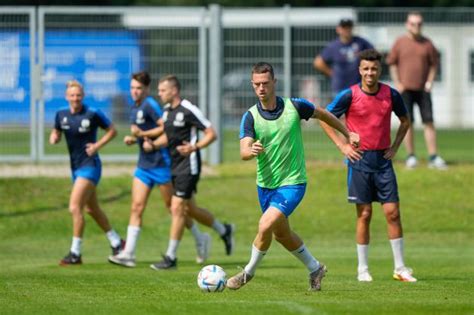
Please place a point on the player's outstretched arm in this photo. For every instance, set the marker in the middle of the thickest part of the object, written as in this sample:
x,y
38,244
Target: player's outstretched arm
x,y
55,136
323,115
328,121
348,150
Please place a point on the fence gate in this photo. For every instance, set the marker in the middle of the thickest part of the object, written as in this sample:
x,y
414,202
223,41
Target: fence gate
x,y
17,93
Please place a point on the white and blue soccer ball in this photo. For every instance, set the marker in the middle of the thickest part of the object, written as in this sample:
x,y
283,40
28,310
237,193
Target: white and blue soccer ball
x,y
212,278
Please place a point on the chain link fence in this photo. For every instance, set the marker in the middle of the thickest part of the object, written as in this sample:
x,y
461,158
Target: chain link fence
x,y
211,51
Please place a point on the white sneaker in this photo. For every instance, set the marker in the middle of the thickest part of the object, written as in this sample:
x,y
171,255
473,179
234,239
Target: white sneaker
x,y
404,274
438,163
411,162
123,259
364,276
202,248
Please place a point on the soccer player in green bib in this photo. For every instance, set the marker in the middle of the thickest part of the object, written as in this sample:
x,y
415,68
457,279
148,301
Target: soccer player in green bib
x,y
271,132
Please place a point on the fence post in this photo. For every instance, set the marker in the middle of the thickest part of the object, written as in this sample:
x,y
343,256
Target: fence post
x,y
215,75
34,86
287,52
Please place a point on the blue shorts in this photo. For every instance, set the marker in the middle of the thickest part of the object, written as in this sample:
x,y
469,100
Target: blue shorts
x,y
285,198
88,172
154,176
367,187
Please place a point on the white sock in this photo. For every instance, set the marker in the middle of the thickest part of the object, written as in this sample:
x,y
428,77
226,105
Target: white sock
x,y
303,254
195,232
114,238
218,227
172,248
76,245
133,232
255,258
397,249
363,257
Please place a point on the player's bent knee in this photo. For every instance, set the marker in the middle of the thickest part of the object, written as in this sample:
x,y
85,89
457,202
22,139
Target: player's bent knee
x,y
137,208
393,216
75,210
265,227
178,211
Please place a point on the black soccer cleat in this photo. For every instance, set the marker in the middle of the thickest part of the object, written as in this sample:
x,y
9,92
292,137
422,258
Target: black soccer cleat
x,y
116,250
166,264
228,238
71,259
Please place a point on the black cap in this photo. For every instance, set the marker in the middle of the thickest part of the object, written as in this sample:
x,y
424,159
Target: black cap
x,y
346,23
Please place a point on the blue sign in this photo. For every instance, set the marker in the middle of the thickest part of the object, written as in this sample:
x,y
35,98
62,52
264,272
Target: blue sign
x,y
15,77
101,60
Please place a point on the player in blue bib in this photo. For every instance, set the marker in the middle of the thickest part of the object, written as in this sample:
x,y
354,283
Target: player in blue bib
x,y
79,123
153,168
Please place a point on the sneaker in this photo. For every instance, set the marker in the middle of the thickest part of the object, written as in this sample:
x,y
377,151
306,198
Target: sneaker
x,y
228,238
438,163
71,259
117,249
202,248
239,280
166,263
411,162
364,276
315,278
404,274
123,259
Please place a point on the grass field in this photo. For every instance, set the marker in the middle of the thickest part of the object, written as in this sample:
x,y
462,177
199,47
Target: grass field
x,y
438,216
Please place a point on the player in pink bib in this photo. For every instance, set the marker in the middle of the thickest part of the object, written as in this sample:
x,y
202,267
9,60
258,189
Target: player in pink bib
x,y
368,107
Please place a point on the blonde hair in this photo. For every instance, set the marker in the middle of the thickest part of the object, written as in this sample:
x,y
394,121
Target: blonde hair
x,y
74,83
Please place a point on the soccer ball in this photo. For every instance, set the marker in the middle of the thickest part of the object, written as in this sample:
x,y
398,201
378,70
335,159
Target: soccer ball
x,y
212,278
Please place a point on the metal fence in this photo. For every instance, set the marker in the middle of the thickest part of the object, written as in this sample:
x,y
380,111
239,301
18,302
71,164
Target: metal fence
x,y
210,49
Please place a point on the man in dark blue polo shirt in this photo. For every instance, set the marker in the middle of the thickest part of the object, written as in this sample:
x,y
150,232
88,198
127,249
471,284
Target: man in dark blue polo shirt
x,y
339,59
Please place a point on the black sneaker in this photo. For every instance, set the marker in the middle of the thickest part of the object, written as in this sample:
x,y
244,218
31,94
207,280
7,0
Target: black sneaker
x,y
166,263
228,238
71,259
116,250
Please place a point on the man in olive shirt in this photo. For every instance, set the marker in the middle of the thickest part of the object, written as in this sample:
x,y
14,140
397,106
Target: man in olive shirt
x,y
413,64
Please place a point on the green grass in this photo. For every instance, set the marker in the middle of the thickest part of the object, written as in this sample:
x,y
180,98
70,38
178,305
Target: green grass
x,y
454,145
438,217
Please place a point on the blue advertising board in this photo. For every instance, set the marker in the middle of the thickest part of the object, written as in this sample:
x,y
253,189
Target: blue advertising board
x,y
14,77
101,60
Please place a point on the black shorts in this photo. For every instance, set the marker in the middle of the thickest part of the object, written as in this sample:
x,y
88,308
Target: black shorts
x,y
367,187
423,99
185,185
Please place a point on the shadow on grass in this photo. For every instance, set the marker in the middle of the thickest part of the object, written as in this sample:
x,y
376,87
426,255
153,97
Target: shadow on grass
x,y
118,196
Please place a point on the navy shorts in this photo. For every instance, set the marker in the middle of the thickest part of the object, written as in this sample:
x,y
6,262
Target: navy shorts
x,y
185,185
367,187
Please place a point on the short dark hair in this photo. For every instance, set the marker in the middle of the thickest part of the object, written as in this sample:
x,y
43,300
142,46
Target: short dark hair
x,y
263,67
171,78
371,55
143,77
346,22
